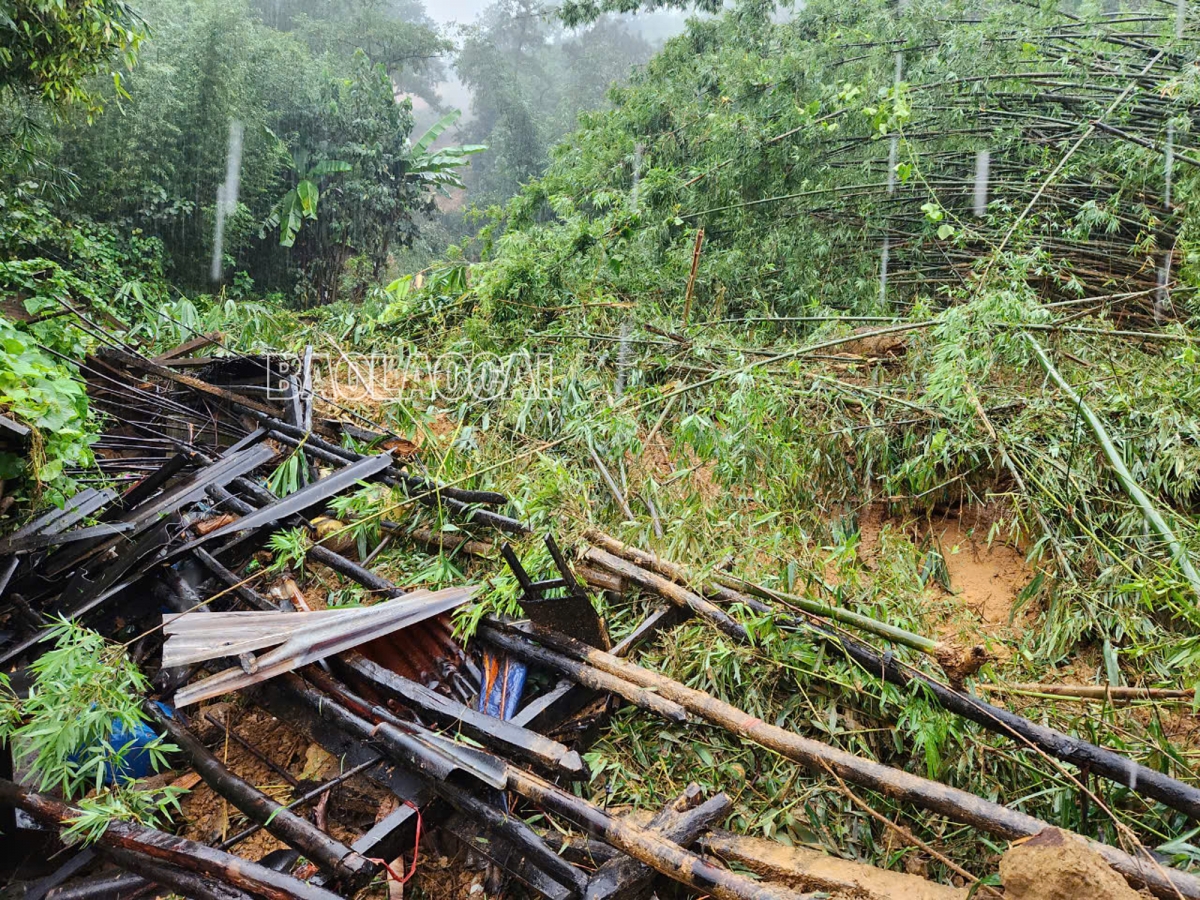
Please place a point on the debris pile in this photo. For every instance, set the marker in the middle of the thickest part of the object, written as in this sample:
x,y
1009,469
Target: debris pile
x,y
465,740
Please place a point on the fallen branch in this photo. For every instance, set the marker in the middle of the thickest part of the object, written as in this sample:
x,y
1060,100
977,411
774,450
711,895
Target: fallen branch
x,y
681,821
725,594
336,858
1092,692
961,806
1098,760
668,590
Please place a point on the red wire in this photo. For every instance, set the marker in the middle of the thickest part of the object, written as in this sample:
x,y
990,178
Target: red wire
x,y
416,849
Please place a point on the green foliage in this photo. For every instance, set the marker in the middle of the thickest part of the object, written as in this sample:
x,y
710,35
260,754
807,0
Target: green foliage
x,y
41,392
440,168
51,48
50,268
84,691
342,141
290,546
529,79
300,202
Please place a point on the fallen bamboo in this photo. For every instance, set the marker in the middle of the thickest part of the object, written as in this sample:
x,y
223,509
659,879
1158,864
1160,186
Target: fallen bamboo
x,y
1091,692
1092,757
586,675
336,858
169,849
714,588
1158,524
961,806
449,541
681,821
655,851
668,590
499,734
179,881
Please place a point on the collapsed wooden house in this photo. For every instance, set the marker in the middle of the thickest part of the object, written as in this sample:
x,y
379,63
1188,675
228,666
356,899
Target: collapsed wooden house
x,y
461,736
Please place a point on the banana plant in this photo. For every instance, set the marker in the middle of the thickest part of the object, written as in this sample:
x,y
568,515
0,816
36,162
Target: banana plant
x,y
300,202
439,169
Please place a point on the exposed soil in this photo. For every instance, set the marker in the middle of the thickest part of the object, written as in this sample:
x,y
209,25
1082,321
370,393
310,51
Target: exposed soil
x,y
210,819
985,580
812,870
1055,866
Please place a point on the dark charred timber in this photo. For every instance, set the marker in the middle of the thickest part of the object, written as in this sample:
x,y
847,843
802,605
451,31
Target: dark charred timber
x,y
681,821
961,806
425,492
668,590
664,856
498,734
352,570
250,597
139,876
584,674
399,747
169,849
305,798
334,857
140,364
323,555
488,498
103,887
177,880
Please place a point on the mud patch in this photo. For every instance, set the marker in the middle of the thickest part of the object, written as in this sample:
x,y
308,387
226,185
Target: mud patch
x,y
209,818
1055,866
986,579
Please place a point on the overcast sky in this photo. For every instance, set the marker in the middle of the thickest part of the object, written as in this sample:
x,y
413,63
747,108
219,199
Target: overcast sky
x,y
454,10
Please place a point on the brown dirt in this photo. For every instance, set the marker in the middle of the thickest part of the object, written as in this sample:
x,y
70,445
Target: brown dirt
x,y
877,346
986,579
1056,866
812,870
209,818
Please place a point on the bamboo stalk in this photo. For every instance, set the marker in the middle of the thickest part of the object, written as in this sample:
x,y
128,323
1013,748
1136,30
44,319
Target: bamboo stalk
x,y
691,282
668,590
336,858
725,594
169,849
1091,691
1099,760
961,806
681,821
586,675
1133,490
